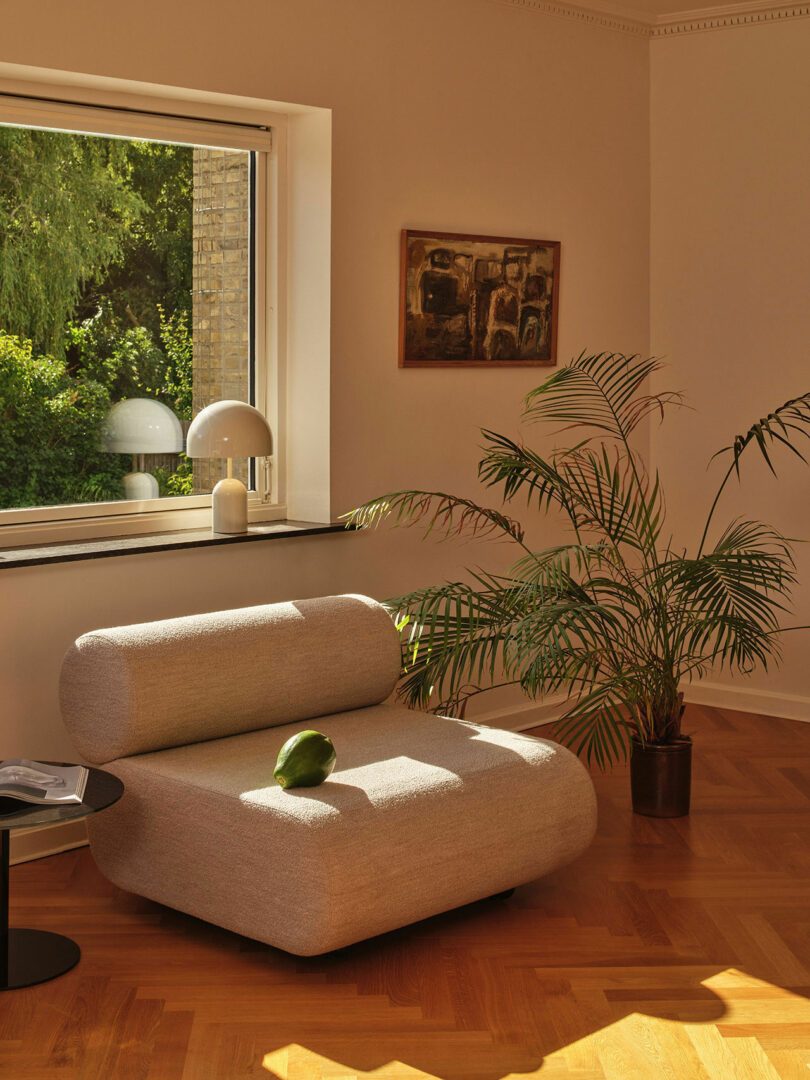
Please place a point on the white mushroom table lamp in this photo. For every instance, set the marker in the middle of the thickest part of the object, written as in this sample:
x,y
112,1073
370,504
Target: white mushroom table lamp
x,y
229,429
141,426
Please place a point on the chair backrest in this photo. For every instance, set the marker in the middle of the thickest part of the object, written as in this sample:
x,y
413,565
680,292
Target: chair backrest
x,y
132,689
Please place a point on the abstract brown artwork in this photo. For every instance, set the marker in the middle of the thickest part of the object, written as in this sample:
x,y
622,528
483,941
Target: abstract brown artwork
x,y
478,301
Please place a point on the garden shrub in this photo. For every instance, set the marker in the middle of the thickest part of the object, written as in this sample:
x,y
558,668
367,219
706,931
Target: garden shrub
x,y
50,424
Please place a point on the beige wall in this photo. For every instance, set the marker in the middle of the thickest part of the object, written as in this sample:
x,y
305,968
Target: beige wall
x,y
463,114
730,276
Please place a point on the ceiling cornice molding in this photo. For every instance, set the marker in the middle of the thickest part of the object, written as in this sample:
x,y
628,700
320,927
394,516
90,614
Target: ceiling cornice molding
x,y
729,15
639,24
607,16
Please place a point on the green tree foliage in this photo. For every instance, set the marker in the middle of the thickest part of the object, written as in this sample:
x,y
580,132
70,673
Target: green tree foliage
x,y
178,348
153,268
95,304
178,482
49,432
131,326
131,363
66,208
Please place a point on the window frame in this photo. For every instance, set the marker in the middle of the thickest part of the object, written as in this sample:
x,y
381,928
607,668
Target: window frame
x,y
181,121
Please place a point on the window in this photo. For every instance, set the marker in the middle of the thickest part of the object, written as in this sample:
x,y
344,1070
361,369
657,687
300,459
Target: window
x,y
133,292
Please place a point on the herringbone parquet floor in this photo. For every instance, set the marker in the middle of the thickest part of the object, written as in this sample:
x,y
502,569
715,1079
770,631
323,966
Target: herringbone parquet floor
x,y
674,949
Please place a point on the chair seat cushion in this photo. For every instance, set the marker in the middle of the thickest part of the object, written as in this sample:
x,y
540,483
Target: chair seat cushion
x,y
421,814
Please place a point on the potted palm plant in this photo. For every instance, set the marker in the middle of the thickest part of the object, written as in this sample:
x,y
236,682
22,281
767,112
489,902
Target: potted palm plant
x,y
616,619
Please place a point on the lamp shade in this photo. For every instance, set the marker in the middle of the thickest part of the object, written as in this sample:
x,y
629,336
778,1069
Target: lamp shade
x,y
229,429
141,426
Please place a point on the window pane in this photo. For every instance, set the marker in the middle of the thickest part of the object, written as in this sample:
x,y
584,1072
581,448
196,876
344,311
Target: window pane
x,y
124,309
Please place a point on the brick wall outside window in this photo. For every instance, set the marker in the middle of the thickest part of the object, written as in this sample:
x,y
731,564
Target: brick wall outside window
x,y
221,290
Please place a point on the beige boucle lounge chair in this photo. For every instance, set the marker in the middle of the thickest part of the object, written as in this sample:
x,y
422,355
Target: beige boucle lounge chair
x,y
422,813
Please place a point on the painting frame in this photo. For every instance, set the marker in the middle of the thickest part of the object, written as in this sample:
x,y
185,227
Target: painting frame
x,y
461,320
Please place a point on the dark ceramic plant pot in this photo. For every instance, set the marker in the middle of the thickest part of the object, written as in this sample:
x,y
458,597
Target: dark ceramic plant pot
x,y
661,777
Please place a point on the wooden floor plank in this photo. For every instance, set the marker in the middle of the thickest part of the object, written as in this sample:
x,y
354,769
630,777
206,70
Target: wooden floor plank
x,y
673,950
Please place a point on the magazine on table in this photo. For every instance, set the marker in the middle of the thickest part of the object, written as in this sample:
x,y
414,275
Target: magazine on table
x,y
40,783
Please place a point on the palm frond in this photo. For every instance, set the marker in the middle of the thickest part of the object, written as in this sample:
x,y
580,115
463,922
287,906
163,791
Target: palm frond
x,y
554,570
457,634
598,490
452,634
613,495
518,468
450,515
601,392
597,725
778,426
728,602
562,643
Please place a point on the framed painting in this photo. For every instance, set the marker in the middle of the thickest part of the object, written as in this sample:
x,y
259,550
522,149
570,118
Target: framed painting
x,y
478,301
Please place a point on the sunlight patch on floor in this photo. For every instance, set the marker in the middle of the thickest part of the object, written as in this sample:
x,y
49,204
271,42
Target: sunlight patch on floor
x,y
752,1030
297,1063
763,1034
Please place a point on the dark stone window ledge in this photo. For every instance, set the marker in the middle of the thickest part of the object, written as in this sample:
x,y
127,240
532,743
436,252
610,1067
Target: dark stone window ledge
x,y
168,541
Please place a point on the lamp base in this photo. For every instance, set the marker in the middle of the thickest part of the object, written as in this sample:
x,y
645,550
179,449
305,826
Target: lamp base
x,y
140,485
229,501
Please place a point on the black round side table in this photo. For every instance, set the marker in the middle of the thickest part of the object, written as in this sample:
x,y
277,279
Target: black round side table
x,y
28,957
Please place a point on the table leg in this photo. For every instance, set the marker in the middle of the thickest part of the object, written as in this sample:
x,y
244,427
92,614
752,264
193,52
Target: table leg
x,y
4,876
28,957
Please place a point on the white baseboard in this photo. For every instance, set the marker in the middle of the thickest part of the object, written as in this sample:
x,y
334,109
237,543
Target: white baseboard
x,y
522,717
28,844
531,714
745,699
